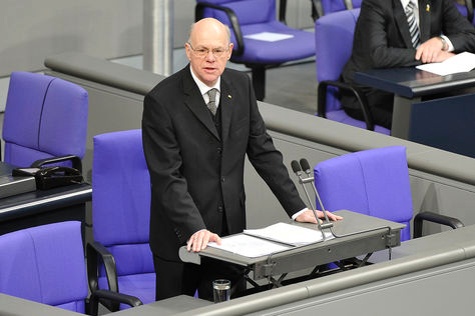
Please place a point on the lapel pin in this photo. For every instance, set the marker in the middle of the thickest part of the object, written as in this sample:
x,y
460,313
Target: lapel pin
x,y
427,7
229,96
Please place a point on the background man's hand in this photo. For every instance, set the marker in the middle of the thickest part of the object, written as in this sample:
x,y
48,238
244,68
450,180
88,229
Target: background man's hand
x,y
431,51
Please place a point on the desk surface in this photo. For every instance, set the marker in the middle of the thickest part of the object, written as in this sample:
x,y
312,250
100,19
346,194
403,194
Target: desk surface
x,y
42,200
170,306
43,206
357,234
411,82
14,306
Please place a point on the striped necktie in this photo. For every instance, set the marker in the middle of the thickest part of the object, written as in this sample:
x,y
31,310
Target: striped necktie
x,y
413,28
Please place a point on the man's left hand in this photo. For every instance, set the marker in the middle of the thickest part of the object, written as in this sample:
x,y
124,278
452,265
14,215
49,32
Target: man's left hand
x,y
309,217
199,240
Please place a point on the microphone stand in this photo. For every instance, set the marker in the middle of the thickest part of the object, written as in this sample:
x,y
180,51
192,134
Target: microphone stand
x,y
306,167
298,171
297,168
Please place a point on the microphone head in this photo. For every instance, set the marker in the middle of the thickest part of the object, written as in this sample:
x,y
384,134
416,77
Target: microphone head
x,y
305,165
296,166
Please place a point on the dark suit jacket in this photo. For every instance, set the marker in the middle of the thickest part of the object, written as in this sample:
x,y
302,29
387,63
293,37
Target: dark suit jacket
x,y
382,38
196,173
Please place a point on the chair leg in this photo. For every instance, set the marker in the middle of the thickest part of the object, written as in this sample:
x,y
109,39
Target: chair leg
x,y
317,10
259,81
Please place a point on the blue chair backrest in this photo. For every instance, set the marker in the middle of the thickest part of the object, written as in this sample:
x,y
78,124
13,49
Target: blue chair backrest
x,y
245,11
330,6
45,264
248,11
333,44
373,182
44,117
121,200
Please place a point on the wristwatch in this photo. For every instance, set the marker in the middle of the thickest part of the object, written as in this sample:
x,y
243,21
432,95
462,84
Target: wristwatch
x,y
445,45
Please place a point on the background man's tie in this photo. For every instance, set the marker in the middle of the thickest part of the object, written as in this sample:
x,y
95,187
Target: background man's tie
x,y
413,28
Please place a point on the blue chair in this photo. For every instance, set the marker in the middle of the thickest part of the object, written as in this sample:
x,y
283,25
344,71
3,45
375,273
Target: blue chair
x,y
322,7
45,120
247,17
119,258
45,264
332,57
374,182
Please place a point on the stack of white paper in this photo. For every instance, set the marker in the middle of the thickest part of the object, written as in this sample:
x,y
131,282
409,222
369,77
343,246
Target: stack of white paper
x,y
463,62
269,240
289,234
249,246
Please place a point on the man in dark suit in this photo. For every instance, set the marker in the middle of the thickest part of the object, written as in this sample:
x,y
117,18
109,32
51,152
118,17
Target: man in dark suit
x,y
196,161
382,40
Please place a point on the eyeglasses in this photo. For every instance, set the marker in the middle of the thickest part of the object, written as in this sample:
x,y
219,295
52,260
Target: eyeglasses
x,y
203,52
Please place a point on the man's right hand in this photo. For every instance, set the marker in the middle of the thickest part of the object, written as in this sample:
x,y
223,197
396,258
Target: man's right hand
x,y
431,52
199,240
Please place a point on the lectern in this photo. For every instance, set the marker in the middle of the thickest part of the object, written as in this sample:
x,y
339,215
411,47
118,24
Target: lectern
x,y
355,235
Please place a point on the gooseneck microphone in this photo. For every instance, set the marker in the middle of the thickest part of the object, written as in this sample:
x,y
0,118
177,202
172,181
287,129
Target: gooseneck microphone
x,y
297,169
306,167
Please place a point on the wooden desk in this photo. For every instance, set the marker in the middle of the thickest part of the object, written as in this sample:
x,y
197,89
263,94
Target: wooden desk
x,y
361,235
43,206
427,108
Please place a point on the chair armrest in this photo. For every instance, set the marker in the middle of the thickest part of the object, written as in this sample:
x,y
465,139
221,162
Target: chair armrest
x,y
283,11
199,13
434,218
95,253
322,100
100,295
76,161
348,4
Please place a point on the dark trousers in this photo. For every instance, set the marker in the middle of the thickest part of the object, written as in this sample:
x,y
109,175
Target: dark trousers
x,y
380,116
380,105
176,278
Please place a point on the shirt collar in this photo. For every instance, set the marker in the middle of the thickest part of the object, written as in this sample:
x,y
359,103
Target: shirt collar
x,y
202,86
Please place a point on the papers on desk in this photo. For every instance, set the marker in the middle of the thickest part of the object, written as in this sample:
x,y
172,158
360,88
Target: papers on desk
x,y
249,246
463,62
288,234
271,239
268,36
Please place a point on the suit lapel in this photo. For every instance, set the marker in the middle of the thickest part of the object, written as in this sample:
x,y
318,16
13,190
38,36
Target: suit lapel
x,y
194,101
424,19
226,105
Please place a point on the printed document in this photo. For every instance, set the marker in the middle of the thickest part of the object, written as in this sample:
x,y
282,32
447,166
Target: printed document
x,y
289,234
249,246
463,62
269,240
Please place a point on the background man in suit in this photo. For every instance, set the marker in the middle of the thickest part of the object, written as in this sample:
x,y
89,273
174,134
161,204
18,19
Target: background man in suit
x,y
383,40
196,162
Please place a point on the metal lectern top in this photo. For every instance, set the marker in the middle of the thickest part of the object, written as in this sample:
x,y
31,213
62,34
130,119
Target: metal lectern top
x,y
355,235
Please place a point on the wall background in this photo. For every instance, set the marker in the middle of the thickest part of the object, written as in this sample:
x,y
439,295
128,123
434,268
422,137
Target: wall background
x,y
31,30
